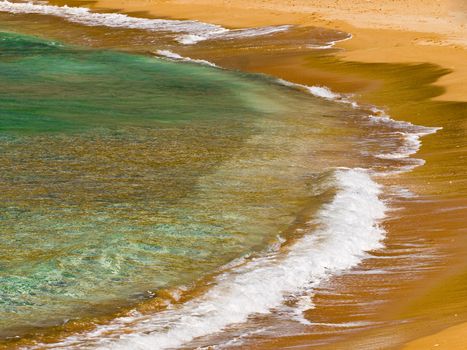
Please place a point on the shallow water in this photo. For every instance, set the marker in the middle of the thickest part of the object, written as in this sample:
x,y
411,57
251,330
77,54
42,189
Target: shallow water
x,y
123,174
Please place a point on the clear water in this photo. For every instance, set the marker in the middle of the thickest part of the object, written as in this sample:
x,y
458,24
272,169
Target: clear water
x,y
121,175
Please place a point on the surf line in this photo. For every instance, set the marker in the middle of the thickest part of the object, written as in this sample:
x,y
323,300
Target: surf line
x,y
345,229
338,239
188,31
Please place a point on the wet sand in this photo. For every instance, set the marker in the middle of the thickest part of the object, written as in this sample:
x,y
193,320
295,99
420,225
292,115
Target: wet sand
x,y
384,31
417,70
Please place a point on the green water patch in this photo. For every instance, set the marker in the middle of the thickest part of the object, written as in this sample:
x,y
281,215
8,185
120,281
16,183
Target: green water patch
x,y
48,87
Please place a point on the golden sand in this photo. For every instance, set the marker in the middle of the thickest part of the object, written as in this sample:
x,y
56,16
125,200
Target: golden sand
x,y
453,338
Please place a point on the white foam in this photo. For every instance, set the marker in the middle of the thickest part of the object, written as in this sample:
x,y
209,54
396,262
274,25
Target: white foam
x,y
410,145
176,57
411,141
252,32
303,304
344,230
83,15
410,133
330,44
191,31
322,92
189,39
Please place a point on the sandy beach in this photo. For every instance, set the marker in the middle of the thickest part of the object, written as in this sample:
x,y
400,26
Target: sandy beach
x,y
409,57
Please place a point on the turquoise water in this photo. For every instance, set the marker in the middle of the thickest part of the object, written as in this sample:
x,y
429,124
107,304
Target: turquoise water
x,y
123,174
69,90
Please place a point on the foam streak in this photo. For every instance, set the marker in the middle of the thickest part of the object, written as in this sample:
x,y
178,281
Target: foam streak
x,y
190,32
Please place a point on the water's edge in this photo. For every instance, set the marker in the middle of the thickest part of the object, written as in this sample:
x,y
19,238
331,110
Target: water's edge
x,y
326,249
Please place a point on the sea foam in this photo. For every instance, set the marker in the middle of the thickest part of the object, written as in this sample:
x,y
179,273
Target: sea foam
x,y
321,91
176,57
190,31
411,134
330,44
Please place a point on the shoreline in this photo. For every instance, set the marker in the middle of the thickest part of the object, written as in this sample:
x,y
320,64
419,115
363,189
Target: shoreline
x,y
365,47
372,43
386,38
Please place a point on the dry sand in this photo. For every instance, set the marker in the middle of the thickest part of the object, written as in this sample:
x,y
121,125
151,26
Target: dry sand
x,y
454,338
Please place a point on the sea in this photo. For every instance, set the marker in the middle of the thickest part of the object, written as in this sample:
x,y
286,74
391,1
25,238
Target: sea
x,y
149,199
